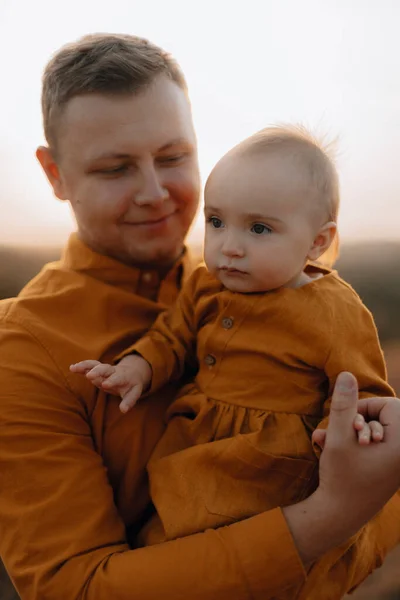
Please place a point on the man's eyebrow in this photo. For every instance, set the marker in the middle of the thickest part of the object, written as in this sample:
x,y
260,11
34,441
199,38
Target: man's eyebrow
x,y
176,142
126,156
109,155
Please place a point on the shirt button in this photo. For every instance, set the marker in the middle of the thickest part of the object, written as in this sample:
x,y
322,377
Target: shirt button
x,y
147,277
210,360
227,322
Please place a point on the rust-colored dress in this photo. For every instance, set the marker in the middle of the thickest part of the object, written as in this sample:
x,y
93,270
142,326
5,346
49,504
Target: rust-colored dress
x,y
238,438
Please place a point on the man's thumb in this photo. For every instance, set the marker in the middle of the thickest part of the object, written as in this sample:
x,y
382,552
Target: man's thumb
x,y
344,400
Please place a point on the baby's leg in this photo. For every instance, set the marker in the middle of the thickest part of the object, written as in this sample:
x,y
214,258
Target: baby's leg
x,y
209,485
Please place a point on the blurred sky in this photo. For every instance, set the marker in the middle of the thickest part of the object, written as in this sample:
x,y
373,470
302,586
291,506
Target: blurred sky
x,y
333,65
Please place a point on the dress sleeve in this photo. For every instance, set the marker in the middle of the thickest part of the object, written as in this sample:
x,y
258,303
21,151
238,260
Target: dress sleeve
x,y
355,348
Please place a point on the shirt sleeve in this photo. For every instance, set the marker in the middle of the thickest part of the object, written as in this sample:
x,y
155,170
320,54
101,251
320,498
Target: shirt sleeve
x,y
61,534
170,344
343,569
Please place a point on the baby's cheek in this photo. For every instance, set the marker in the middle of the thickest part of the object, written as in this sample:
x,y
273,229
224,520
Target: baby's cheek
x,y
210,254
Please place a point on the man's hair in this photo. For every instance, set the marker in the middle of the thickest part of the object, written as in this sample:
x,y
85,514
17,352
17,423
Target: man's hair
x,y
110,64
314,157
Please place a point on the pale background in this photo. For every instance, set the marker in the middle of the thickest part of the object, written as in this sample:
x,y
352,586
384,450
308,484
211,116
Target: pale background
x,y
330,64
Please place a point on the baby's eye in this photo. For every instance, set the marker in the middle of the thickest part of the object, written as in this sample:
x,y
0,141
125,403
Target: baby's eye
x,y
215,222
259,228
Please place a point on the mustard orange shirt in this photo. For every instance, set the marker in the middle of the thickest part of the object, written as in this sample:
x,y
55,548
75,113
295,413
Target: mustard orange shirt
x,y
73,487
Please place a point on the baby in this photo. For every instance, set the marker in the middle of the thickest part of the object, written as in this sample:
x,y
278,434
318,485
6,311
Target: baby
x,y
268,330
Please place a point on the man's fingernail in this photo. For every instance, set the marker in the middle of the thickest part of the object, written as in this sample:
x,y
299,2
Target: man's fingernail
x,y
345,382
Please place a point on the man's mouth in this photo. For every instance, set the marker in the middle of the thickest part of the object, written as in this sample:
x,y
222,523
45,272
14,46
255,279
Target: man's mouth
x,y
155,222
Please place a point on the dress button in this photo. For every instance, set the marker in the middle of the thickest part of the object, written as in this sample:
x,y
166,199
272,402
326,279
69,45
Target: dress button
x,y
210,360
227,322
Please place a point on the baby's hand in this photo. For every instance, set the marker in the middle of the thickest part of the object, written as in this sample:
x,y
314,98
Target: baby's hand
x,y
367,432
127,379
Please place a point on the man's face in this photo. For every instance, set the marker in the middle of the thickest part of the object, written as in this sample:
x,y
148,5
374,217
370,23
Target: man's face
x,y
128,166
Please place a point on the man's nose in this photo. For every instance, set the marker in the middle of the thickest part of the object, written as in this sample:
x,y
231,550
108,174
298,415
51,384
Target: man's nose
x,y
151,191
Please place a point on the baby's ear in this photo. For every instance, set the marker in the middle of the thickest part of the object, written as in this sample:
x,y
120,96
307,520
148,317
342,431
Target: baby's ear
x,y
322,240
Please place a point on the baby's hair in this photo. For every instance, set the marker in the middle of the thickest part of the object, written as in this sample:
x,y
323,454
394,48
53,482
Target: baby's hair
x,y
315,156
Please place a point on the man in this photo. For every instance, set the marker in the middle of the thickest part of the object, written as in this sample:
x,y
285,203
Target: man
x,y
122,150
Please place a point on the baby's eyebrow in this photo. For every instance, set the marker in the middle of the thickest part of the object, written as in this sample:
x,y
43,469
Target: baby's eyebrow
x,y
208,208
259,217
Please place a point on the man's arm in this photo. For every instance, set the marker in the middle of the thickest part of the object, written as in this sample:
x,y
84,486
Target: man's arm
x,y
344,568
61,535
355,347
362,472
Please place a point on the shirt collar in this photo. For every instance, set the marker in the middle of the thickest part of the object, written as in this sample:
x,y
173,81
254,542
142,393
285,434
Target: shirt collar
x,y
77,256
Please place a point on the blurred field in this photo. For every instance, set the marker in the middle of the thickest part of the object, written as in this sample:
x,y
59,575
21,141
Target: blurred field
x,y
373,270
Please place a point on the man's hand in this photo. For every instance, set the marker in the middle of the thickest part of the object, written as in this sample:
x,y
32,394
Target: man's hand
x,y
128,379
358,477
355,480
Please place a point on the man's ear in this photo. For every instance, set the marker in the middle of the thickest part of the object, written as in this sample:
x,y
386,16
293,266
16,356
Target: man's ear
x,y
50,167
322,240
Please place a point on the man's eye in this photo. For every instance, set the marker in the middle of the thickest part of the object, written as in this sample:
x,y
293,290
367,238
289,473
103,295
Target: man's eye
x,y
114,170
215,222
259,228
170,160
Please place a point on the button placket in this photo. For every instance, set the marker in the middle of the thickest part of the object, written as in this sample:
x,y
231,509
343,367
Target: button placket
x,y
147,277
148,285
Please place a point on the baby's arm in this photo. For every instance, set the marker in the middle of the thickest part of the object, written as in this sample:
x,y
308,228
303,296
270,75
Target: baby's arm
x,y
128,379
355,347
158,357
170,344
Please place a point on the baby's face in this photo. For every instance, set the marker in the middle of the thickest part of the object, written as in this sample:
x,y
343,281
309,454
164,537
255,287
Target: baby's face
x,y
260,223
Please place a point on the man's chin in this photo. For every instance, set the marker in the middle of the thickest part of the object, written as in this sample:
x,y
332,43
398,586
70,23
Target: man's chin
x,y
156,258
